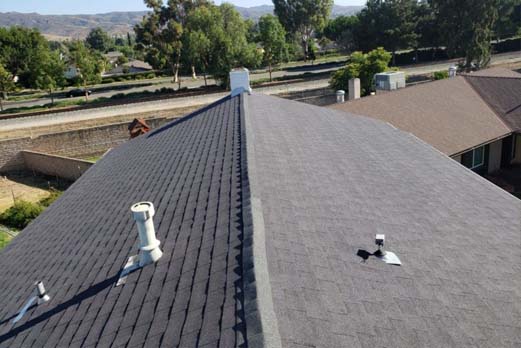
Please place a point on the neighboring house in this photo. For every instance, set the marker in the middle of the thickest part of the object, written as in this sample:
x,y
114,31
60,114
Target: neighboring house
x,y
264,208
113,56
132,67
71,72
458,116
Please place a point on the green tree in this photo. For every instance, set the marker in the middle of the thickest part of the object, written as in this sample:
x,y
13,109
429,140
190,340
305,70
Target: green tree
x,y
99,40
90,64
52,74
390,24
6,84
342,31
508,23
160,33
301,17
21,50
272,36
216,41
362,66
466,28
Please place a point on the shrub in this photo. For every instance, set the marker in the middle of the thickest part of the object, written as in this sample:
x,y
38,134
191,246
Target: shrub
x,y
53,195
20,214
440,75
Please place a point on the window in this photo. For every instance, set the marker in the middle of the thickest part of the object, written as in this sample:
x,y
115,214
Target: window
x,y
474,158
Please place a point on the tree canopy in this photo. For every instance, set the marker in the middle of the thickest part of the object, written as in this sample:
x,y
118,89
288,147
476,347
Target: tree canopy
x,y
301,17
362,66
89,63
272,36
99,40
467,28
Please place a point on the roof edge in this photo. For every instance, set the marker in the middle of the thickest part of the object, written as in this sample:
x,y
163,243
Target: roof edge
x,y
261,322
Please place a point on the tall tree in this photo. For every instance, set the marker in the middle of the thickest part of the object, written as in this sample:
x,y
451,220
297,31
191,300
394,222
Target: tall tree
x,y
99,40
216,41
20,50
388,23
466,27
272,36
509,19
6,84
342,31
301,17
89,64
52,74
160,33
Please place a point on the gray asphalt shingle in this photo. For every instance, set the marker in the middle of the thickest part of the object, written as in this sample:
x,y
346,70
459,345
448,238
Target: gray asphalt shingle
x,y
190,169
262,205
341,179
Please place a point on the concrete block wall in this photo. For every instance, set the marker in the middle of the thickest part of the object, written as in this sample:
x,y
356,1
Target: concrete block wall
x,y
53,165
72,143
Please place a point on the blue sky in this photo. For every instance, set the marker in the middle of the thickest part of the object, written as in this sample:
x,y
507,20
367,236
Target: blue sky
x,y
101,6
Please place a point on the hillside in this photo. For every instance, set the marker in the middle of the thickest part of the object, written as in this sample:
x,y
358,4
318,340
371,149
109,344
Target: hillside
x,y
116,23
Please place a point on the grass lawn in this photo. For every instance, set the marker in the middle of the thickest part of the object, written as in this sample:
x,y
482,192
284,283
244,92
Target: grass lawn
x,y
93,158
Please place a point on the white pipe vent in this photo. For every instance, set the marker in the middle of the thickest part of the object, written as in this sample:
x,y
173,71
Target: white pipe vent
x,y
40,298
149,245
149,251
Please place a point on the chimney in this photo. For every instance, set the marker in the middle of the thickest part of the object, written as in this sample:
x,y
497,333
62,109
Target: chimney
x,y
340,96
453,70
354,89
239,81
149,245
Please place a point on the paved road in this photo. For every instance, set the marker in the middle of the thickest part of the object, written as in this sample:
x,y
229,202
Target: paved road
x,y
504,58
498,59
128,109
185,82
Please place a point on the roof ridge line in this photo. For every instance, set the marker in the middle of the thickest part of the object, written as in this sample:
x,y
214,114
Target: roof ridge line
x,y
492,77
480,96
261,322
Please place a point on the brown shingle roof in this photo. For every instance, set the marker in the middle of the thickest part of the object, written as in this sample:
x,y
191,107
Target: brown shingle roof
x,y
447,114
503,95
495,72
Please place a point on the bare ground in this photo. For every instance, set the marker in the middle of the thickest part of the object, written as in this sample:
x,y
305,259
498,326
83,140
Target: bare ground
x,y
25,186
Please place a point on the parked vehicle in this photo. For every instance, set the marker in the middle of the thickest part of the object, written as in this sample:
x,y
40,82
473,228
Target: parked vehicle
x,y
77,92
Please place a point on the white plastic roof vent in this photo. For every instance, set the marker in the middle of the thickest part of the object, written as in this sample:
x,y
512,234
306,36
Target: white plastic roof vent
x,y
149,251
386,256
40,298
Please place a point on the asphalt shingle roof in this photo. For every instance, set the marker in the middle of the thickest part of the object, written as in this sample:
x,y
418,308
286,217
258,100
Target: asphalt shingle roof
x,y
339,180
262,204
503,95
190,169
447,114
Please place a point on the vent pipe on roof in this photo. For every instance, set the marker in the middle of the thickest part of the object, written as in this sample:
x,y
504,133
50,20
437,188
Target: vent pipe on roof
x,y
239,81
340,96
453,71
42,294
149,245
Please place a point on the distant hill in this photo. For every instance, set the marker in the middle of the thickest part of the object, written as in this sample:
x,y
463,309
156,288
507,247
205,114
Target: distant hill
x,y
60,27
256,11
73,26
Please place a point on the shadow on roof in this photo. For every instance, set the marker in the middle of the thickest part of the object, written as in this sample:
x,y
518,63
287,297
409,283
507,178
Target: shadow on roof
x,y
93,290
188,117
